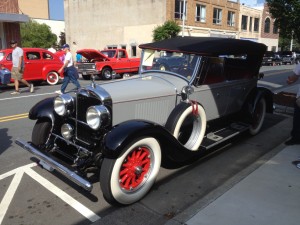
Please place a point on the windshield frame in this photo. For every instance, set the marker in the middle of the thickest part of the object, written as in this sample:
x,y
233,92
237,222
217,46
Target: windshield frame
x,y
191,78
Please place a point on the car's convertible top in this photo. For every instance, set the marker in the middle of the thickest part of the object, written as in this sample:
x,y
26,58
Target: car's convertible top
x,y
211,46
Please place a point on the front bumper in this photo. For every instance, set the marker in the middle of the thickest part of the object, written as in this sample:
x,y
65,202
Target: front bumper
x,y
50,164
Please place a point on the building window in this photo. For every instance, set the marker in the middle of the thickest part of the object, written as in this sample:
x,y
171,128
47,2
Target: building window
x,y
231,19
200,13
256,25
179,10
112,46
133,50
244,22
275,28
217,19
267,25
123,47
250,23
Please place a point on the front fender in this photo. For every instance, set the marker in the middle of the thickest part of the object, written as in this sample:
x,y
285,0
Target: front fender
x,y
43,109
174,154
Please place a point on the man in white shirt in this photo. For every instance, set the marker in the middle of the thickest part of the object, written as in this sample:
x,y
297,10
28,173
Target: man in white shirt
x,y
18,68
70,72
295,133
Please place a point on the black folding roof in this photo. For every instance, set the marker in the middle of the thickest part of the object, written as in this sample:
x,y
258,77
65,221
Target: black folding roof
x,y
207,46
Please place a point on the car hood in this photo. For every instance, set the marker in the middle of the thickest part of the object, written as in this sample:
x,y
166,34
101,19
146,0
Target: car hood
x,y
90,54
145,87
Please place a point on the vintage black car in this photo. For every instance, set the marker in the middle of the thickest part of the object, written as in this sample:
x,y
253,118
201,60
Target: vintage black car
x,y
125,130
271,59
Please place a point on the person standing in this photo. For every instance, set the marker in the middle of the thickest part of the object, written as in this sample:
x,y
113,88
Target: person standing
x,y
18,68
295,133
70,72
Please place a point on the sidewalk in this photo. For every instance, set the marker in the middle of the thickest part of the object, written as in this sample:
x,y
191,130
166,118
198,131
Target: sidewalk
x,y
269,195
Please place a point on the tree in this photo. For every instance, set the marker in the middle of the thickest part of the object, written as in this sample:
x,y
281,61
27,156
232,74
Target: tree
x,y
37,35
287,15
62,38
168,30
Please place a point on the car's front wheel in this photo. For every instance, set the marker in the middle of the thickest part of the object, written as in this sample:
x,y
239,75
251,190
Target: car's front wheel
x,y
52,78
106,73
86,77
41,133
258,116
187,123
128,178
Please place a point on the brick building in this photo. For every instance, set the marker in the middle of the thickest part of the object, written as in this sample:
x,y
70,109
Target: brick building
x,y
10,20
269,32
126,24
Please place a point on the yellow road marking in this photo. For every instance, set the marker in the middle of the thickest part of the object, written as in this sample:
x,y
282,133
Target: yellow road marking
x,y
13,117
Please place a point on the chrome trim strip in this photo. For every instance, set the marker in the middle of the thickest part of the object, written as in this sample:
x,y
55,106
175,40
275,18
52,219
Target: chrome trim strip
x,y
55,165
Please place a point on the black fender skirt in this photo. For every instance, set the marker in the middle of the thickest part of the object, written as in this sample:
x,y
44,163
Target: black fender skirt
x,y
43,109
174,154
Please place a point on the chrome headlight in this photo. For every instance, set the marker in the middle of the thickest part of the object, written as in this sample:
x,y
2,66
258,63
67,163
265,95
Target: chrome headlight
x,y
67,131
64,104
97,116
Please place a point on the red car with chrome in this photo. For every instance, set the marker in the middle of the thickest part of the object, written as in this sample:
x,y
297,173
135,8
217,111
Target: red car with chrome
x,y
40,64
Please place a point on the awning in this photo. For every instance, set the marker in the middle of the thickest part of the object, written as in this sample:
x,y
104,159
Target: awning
x,y
13,17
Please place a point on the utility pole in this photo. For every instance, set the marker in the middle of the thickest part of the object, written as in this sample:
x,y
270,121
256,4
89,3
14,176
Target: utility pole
x,y
183,17
291,46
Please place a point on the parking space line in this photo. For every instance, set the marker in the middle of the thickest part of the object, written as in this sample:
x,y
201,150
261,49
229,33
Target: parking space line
x,y
18,174
14,171
10,194
28,96
63,196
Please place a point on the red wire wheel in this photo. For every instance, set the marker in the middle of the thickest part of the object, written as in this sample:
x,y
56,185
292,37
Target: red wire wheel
x,y
129,177
135,168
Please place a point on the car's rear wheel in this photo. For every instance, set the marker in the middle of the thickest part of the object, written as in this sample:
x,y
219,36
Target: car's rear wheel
x,y
52,78
41,132
187,123
128,178
107,73
258,116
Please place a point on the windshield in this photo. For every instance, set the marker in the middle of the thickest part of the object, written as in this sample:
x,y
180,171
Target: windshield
x,y
170,62
109,54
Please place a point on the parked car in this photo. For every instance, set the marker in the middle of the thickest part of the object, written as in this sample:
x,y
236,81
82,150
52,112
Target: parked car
x,y
40,64
297,60
127,129
288,57
169,62
271,59
103,63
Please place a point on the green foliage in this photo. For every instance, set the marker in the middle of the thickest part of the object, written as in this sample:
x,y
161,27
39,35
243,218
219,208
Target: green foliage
x,y
287,15
168,30
37,35
62,38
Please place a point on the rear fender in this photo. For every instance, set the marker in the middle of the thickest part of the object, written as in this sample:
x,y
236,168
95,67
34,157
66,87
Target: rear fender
x,y
268,95
174,154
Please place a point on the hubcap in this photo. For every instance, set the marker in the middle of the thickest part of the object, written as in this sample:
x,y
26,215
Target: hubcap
x,y
135,169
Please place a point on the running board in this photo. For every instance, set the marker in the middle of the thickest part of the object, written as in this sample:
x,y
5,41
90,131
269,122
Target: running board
x,y
216,137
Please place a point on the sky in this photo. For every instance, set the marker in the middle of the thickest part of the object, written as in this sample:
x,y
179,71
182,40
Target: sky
x,y
56,8
252,2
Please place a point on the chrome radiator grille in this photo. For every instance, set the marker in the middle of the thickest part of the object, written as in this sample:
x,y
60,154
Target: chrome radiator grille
x,y
83,131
